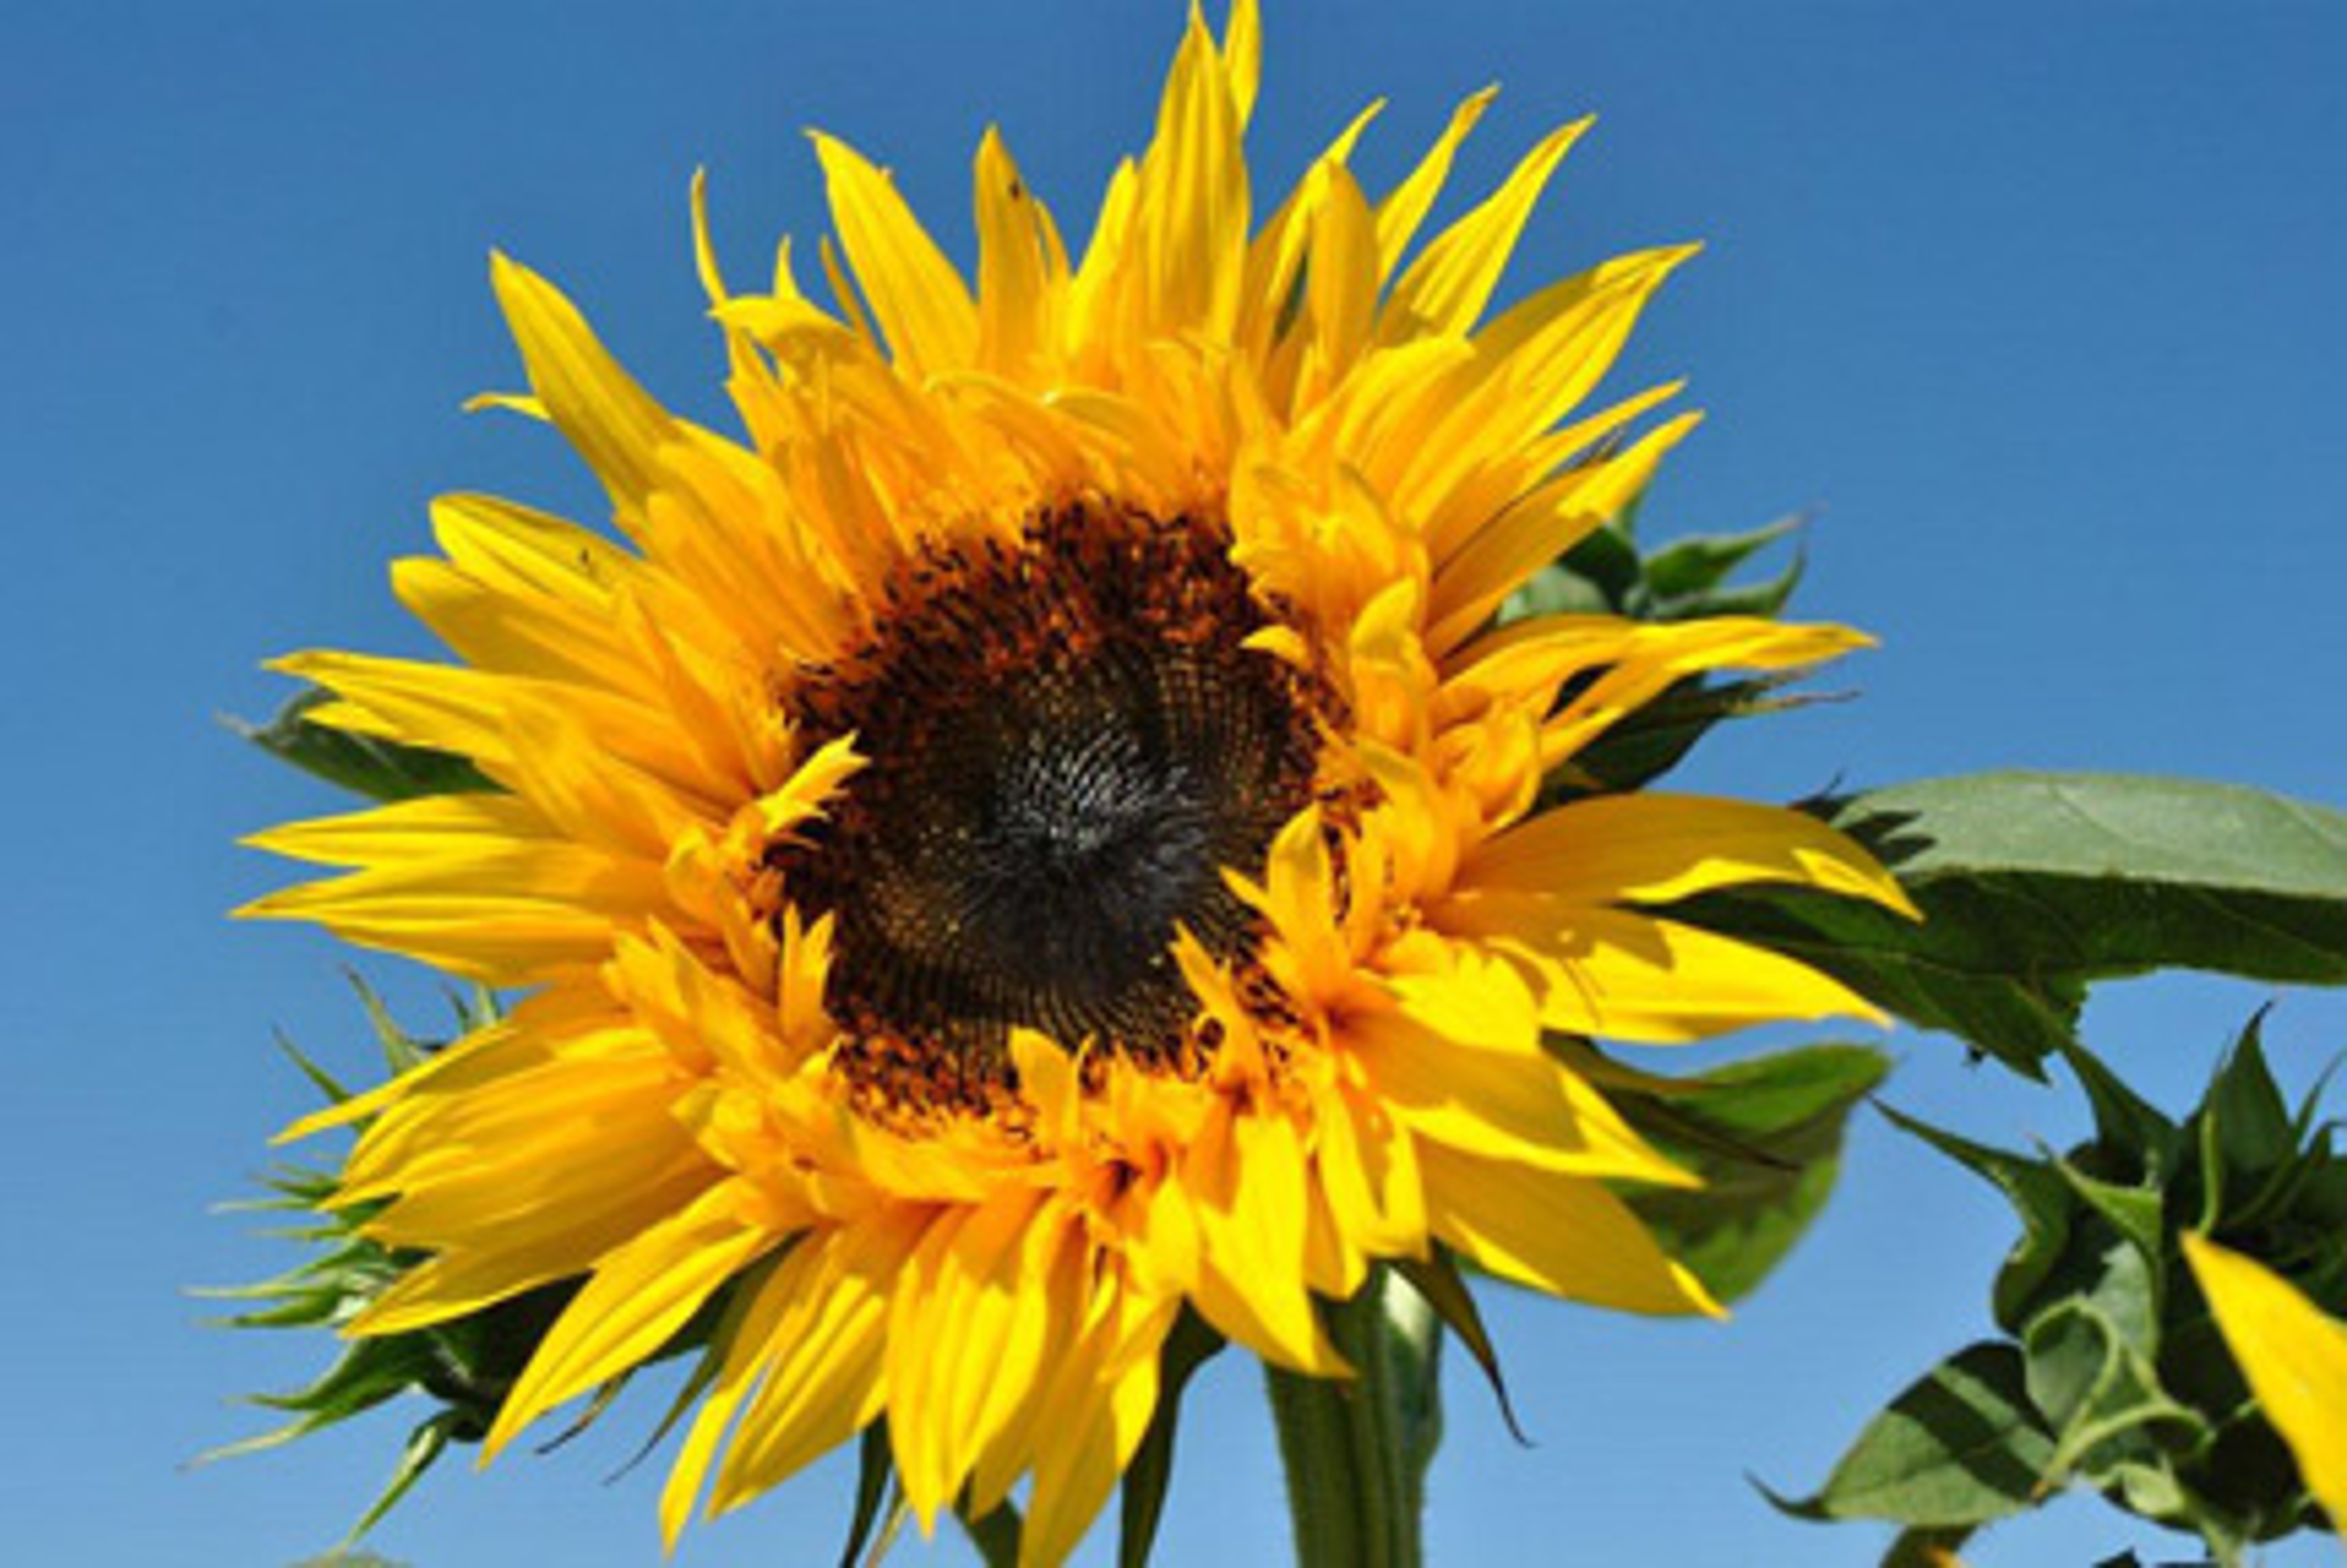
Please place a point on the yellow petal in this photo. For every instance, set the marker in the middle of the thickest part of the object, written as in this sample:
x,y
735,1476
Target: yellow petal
x,y
1631,976
1297,896
1191,211
638,1296
1275,262
2294,1355
1243,55
448,709
1520,1107
1654,848
1400,214
922,303
1057,1290
471,882
742,1344
615,425
1094,1420
540,1029
1367,1165
1342,283
431,827
1563,1235
1021,277
966,1340
1505,554
1630,663
1246,1180
1446,289
823,1366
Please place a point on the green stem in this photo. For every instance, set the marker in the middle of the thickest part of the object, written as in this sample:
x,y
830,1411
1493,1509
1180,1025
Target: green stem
x,y
1354,1448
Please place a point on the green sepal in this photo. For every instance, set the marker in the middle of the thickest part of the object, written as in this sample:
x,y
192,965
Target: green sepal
x,y
996,1535
1641,746
2134,1142
1409,1339
875,1477
378,769
1355,1450
1696,564
2256,1131
424,1445
1687,580
1439,1282
2138,1213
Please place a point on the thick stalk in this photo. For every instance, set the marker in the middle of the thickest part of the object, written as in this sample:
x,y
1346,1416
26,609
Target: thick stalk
x,y
1354,1448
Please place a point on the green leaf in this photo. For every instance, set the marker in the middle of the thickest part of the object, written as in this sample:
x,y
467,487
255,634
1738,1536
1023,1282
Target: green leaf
x,y
2035,885
1643,745
1190,1346
378,769
1766,1137
1961,1446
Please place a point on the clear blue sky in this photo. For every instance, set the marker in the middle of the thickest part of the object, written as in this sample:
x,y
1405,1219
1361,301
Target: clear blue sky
x,y
2041,304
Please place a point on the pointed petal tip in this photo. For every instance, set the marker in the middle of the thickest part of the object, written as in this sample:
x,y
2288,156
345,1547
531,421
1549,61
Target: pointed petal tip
x,y
1698,1295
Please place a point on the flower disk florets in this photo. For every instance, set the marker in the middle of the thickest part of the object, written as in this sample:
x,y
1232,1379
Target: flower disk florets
x,y
1069,739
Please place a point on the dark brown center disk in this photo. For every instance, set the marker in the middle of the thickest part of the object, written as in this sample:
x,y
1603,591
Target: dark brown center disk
x,y
1067,744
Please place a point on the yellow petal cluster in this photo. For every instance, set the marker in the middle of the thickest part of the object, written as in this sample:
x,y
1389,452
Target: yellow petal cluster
x,y
659,1115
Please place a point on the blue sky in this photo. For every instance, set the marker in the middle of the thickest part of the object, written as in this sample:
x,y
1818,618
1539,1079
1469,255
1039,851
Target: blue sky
x,y
2038,305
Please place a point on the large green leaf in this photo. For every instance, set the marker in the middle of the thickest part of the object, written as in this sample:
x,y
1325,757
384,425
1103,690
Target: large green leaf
x,y
2035,885
379,770
1766,1136
1961,1446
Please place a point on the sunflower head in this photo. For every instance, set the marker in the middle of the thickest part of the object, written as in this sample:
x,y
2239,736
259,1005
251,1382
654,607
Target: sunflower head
x,y
1038,826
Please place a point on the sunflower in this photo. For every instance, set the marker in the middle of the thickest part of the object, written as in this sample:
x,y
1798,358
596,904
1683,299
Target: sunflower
x,y
1040,829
